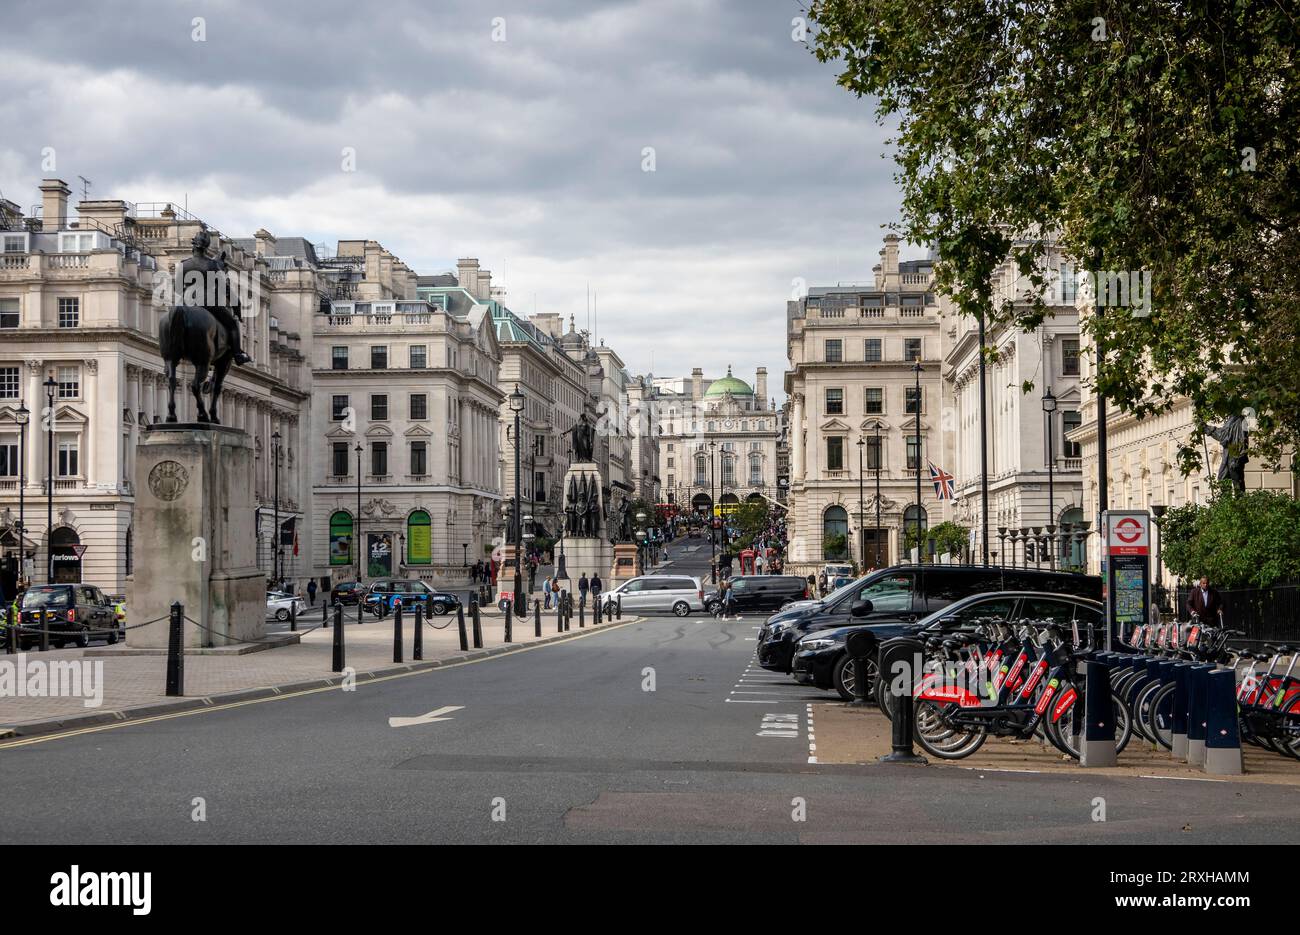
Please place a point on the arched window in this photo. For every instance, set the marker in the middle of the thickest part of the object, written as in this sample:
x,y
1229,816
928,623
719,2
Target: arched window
x,y
64,555
341,538
909,525
419,538
835,533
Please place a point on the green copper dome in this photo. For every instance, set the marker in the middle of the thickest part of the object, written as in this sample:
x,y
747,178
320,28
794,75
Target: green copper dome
x,y
729,384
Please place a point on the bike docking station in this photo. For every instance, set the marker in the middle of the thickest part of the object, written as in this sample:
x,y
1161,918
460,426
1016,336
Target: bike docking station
x,y
1098,746
898,663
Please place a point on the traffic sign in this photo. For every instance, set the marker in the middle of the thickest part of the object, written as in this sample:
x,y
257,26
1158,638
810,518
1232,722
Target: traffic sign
x,y
1127,532
79,550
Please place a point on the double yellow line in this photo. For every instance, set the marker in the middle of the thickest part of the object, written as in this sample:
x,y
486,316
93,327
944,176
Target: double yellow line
x,y
130,722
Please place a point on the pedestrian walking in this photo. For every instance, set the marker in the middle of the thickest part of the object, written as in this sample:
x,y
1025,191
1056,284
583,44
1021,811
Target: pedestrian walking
x,y
596,588
546,593
1205,602
583,586
311,592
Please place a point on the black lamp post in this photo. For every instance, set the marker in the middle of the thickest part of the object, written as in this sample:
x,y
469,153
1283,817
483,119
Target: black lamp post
x,y
1049,412
50,386
517,407
917,423
357,525
275,523
1002,541
641,541
880,459
464,553
862,530
713,509
21,418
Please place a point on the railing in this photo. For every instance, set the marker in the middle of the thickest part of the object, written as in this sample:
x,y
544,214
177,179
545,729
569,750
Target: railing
x,y
378,478
417,478
339,321
418,318
14,261
1072,464
911,313
830,313
1265,614
68,260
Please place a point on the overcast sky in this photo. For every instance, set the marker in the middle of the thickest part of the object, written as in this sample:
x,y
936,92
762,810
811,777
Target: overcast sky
x,y
528,153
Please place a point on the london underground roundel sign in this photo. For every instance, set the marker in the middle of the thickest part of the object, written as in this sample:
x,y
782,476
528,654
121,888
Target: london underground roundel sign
x,y
1128,533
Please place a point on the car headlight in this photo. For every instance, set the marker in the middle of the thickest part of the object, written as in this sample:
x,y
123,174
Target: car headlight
x,y
819,643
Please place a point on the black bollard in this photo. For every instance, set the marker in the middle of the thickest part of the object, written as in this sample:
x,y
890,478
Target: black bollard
x,y
417,641
175,652
582,614
338,638
861,646
293,617
45,632
460,627
324,613
14,618
397,633
537,618
618,608
510,616
1222,733
899,659
1097,745
361,609
478,626
559,616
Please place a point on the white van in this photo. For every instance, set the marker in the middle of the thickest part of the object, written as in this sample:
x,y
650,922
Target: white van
x,y
677,594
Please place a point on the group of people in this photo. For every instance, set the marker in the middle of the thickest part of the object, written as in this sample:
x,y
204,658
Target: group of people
x,y
552,590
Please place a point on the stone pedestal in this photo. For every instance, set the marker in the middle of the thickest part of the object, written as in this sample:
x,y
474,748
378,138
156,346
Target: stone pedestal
x,y
587,555
625,563
194,540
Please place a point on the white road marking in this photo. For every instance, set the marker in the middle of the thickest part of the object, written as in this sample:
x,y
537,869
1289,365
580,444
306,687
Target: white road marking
x,y
812,736
429,718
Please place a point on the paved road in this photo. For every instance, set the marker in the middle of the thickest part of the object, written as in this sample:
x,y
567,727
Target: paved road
x,y
564,743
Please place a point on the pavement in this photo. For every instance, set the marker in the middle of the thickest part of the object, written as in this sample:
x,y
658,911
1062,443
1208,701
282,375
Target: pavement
x,y
658,730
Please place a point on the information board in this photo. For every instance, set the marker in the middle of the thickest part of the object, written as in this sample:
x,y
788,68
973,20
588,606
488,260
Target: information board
x,y
1126,538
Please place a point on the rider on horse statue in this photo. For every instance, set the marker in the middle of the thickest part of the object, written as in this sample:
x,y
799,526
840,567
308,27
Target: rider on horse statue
x,y
207,271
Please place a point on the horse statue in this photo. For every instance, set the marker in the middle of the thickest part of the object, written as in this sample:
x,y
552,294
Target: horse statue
x,y
192,333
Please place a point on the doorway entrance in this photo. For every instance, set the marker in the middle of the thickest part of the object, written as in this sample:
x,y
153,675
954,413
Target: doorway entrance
x,y
875,548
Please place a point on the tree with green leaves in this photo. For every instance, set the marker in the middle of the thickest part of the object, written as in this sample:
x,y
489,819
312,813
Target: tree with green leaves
x,y
1248,540
949,537
1153,136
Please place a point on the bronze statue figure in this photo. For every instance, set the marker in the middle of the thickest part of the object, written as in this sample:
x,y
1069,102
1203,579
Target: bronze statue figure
x,y
584,439
205,335
1234,438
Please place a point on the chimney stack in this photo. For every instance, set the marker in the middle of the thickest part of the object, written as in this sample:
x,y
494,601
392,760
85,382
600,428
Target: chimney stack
x,y
467,274
890,265
760,388
265,242
697,384
54,203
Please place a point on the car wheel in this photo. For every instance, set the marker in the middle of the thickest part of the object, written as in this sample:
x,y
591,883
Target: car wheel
x,y
112,636
282,615
681,608
843,677
438,609
58,644
82,639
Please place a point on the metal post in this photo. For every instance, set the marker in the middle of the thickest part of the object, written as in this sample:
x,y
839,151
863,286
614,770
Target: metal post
x,y
478,625
460,628
510,615
338,638
293,616
13,618
175,652
984,451
356,529
275,499
880,463
582,615
618,608
417,641
49,495
901,654
397,633
324,612
537,618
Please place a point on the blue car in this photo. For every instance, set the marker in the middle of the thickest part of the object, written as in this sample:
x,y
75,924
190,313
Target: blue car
x,y
384,594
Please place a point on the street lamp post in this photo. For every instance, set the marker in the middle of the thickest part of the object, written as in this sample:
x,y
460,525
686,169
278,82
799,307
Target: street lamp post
x,y
21,417
464,554
517,407
713,536
357,525
1049,410
50,385
1159,510
917,427
641,540
862,531
880,458
275,496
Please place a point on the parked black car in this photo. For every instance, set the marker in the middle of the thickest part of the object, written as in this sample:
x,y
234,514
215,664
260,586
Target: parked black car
x,y
821,658
906,594
384,593
758,593
347,592
73,613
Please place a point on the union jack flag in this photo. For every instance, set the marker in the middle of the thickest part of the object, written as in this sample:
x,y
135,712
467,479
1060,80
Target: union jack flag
x,y
942,480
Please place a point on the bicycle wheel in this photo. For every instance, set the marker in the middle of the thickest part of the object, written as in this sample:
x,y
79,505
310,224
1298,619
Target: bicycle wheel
x,y
1142,706
1289,731
1160,716
943,740
1123,726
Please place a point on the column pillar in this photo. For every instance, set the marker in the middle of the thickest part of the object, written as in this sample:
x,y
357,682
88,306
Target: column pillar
x,y
91,470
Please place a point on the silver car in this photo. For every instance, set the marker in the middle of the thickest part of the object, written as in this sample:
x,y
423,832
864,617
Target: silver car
x,y
676,593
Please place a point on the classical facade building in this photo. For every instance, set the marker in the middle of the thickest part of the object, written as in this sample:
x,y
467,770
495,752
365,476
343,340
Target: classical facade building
x,y
717,440
404,416
1018,446
856,352
79,310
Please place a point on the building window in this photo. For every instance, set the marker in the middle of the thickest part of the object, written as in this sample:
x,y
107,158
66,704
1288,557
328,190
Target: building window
x,y
378,407
728,472
14,243
672,482
339,358
379,458
835,533
1070,358
69,457
1070,421
835,453
419,357
755,470
914,400
419,458
834,351
419,406
873,351
419,538
539,486
339,459
379,357
69,313
69,380
875,401
911,349
834,402
701,469
9,459
339,406
875,452
8,382
913,452
1069,284
9,313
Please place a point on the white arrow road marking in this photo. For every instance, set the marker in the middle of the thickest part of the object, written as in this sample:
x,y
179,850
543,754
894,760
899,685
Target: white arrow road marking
x,y
426,718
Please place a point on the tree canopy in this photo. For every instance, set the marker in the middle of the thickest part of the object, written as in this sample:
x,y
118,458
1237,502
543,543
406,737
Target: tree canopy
x,y
1152,136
